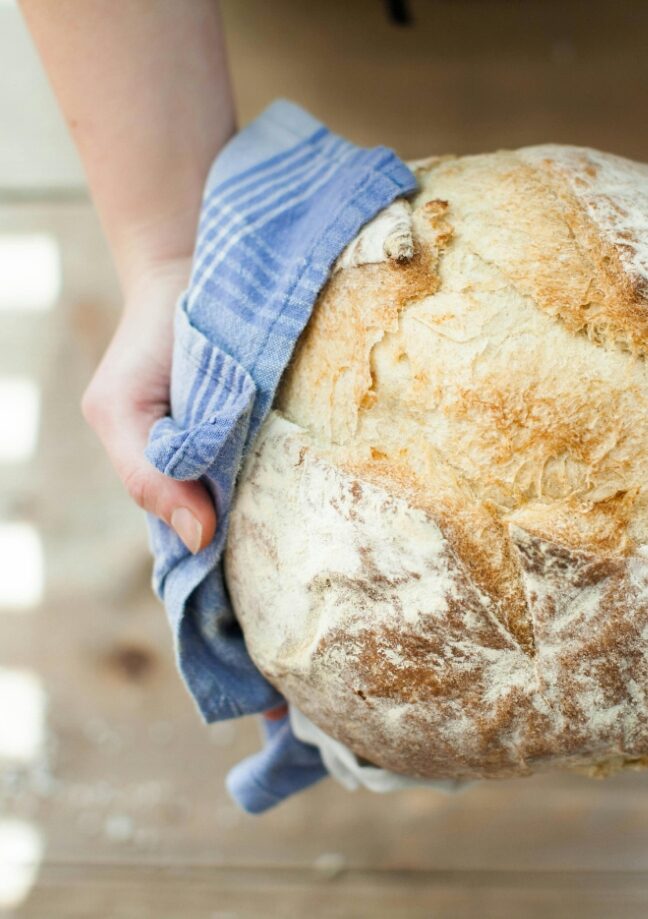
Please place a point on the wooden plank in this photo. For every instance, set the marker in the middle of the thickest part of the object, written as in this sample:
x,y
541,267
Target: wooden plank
x,y
133,892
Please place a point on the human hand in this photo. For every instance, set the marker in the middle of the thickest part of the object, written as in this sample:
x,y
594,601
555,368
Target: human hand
x,y
130,390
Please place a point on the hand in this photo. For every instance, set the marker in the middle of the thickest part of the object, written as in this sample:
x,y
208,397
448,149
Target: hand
x,y
130,390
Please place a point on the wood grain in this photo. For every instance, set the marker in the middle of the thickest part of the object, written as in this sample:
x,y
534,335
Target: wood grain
x,y
127,892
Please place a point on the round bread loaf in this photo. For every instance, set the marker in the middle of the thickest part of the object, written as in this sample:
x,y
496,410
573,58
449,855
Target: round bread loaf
x,y
438,549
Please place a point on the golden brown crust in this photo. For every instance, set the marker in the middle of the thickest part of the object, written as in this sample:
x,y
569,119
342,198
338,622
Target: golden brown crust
x,y
606,197
519,432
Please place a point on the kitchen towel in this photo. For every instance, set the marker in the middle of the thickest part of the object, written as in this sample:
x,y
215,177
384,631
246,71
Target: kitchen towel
x,y
282,200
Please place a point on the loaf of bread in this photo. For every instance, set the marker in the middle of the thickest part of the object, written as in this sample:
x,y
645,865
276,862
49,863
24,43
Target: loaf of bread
x,y
438,549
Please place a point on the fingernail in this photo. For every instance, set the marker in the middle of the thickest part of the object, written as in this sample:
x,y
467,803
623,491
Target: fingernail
x,y
187,527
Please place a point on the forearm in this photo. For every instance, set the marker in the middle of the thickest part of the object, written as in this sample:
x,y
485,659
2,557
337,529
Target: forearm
x,y
144,87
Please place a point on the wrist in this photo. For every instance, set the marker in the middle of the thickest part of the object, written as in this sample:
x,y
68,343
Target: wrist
x,y
151,274
156,222
155,247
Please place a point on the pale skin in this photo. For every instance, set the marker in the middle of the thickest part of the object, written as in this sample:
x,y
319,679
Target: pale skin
x,y
145,90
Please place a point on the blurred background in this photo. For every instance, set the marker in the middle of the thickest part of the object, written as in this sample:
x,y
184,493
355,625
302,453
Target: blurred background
x,y
112,800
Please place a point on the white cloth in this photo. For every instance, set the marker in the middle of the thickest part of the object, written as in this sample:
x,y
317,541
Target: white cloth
x,y
347,770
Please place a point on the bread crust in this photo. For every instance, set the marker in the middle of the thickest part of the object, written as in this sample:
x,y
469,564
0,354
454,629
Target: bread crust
x,y
437,548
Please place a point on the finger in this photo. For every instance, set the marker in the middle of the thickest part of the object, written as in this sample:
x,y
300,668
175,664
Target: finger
x,y
274,714
187,507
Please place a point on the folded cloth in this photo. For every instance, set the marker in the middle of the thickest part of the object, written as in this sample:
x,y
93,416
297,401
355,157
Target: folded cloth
x,y
352,772
283,198
284,766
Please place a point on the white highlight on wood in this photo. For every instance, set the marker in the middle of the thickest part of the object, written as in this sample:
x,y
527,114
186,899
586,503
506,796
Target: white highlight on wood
x,y
30,272
19,417
21,567
22,726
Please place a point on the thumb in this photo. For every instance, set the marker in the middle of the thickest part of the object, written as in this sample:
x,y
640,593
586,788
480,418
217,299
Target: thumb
x,y
187,507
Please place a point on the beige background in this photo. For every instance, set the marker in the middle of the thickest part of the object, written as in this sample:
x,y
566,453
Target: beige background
x,y
124,791
467,77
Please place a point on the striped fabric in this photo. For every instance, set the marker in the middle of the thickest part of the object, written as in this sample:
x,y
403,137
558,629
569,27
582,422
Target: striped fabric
x,y
282,200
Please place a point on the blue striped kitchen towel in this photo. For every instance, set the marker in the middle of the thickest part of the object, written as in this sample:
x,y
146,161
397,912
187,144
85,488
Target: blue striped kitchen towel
x,y
283,198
